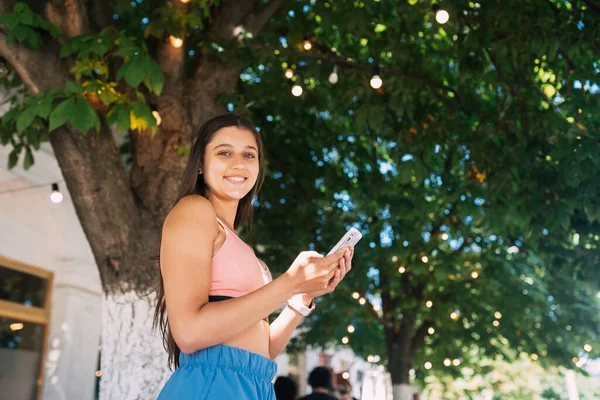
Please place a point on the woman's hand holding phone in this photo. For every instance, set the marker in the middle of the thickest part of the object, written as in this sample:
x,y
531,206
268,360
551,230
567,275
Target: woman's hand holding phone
x,y
311,272
344,265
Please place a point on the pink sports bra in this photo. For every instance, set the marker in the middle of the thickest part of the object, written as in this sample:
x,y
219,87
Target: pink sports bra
x,y
235,270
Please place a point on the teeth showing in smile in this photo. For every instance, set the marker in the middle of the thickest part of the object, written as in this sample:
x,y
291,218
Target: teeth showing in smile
x,y
235,178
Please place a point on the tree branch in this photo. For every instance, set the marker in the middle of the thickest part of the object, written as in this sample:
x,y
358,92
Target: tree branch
x,y
339,60
39,70
241,13
71,16
256,21
418,339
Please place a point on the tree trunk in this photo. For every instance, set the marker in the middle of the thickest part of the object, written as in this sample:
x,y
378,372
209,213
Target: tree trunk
x,y
133,361
402,391
403,339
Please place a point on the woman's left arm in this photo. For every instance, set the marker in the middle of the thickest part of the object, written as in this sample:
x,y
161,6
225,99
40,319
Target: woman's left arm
x,y
284,326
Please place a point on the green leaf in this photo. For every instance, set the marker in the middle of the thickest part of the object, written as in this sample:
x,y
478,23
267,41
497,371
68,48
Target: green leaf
x,y
61,113
406,172
13,157
28,161
73,87
83,117
156,77
25,118
119,114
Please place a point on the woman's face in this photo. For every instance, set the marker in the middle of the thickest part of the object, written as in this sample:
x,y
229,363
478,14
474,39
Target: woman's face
x,y
231,165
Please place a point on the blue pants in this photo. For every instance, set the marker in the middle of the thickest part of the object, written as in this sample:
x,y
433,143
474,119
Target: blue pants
x,y
221,373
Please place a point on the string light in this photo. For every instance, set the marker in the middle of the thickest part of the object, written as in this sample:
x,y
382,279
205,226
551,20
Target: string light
x,y
185,1
587,347
376,81
402,270
98,373
474,274
346,375
454,315
496,323
289,73
355,295
307,44
56,196
395,259
370,358
534,357
431,330
333,77
350,329
498,314
441,16
156,115
16,326
447,362
425,259
297,90
444,236
362,301
175,41
456,362
345,340
427,365
429,303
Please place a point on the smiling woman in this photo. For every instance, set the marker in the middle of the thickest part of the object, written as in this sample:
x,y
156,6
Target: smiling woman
x,y
215,296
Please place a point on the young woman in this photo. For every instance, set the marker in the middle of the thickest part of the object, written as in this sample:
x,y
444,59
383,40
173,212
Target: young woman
x,y
215,296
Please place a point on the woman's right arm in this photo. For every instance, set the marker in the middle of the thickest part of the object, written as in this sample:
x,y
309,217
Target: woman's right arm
x,y
186,253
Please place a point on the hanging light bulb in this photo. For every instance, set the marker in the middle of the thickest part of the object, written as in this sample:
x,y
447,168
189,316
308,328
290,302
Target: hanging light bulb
x,y
351,329
185,1
427,365
587,347
307,44
289,73
456,362
429,304
362,301
345,340
441,15
444,236
496,323
534,357
355,295
394,258
498,314
175,41
376,81
402,270
156,115
333,77
297,90
346,375
447,362
431,330
474,274
56,196
425,259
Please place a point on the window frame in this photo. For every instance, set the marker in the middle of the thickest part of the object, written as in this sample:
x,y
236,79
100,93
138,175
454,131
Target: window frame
x,y
35,315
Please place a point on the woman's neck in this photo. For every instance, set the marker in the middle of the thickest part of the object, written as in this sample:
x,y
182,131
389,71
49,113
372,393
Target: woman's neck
x,y
226,211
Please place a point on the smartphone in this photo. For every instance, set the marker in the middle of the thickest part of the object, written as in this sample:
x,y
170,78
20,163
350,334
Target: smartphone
x,y
350,239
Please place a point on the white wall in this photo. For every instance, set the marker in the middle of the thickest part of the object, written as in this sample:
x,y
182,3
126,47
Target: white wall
x,y
47,235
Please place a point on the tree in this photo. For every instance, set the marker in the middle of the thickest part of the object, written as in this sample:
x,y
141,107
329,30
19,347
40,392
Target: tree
x,y
474,167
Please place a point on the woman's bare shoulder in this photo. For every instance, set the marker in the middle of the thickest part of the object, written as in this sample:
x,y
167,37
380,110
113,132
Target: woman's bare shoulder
x,y
193,209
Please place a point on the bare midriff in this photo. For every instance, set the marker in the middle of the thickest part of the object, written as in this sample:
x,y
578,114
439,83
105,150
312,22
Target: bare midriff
x,y
255,339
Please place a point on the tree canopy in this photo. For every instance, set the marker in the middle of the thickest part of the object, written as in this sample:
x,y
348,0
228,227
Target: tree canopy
x,y
472,170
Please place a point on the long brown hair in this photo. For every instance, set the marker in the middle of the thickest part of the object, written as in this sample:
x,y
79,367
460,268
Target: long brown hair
x,y
193,183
